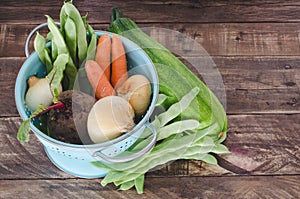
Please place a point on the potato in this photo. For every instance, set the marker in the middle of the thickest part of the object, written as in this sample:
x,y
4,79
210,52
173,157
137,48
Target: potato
x,y
137,91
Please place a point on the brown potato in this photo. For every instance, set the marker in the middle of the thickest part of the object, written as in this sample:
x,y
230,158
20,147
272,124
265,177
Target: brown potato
x,y
137,91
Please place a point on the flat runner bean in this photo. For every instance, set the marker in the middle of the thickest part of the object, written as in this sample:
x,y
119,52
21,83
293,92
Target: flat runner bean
x,y
71,70
71,37
74,14
42,51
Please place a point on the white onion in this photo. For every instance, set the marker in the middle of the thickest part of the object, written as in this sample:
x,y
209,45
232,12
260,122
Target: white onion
x,y
38,93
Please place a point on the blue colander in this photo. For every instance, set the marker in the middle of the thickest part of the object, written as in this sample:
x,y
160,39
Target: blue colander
x,y
73,158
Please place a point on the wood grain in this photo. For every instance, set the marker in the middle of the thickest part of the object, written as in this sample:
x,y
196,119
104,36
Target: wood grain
x,y
157,11
247,138
230,39
276,187
20,160
9,68
252,84
255,47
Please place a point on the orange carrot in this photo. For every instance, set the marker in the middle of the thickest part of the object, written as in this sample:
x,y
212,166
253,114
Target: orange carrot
x,y
103,54
119,66
98,80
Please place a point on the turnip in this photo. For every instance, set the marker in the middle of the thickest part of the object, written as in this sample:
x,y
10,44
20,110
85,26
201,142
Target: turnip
x,y
39,92
109,118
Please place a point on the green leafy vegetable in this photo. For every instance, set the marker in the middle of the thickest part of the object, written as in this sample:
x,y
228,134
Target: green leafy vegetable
x,y
23,132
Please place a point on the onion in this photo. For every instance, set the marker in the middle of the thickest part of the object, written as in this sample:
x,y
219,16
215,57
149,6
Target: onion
x,y
39,92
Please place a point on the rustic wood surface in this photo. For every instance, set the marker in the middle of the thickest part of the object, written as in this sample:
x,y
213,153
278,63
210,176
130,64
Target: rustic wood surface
x,y
255,46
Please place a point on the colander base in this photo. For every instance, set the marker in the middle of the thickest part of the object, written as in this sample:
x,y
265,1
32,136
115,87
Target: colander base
x,y
75,167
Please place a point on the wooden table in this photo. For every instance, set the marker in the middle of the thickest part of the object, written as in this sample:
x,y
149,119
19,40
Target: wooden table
x,y
255,45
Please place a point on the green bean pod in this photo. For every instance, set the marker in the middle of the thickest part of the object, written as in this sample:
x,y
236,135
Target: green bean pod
x,y
57,37
39,46
74,14
71,74
71,70
48,61
57,73
63,17
91,50
42,51
71,38
54,52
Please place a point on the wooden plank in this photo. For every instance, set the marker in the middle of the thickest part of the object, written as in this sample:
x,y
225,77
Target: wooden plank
x,y
264,144
8,73
276,187
158,11
19,160
259,144
267,83
230,39
252,85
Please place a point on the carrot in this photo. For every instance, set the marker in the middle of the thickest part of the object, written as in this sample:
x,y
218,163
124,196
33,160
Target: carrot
x,y
98,80
103,54
119,66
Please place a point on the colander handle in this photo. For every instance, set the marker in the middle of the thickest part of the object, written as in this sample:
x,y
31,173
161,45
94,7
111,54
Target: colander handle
x,y
134,156
32,33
